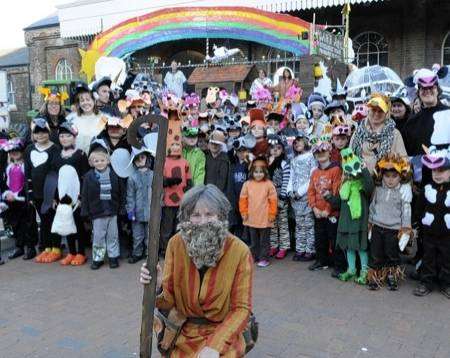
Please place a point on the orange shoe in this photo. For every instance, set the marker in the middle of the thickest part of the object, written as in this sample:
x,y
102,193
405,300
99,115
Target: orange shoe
x,y
42,256
78,260
53,256
67,260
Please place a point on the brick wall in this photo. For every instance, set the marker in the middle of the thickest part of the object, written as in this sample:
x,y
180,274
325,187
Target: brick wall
x,y
46,49
18,75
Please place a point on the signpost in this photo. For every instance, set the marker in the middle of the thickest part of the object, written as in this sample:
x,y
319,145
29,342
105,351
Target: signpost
x,y
328,44
148,301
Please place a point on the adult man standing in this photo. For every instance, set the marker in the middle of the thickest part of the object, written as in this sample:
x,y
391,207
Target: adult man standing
x,y
175,80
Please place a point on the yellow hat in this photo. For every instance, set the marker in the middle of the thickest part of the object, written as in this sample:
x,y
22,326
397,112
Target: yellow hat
x,y
381,101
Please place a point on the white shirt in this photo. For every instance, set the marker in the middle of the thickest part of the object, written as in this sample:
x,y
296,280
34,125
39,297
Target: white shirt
x,y
174,82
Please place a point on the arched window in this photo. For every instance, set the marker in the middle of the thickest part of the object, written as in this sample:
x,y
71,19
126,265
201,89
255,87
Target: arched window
x,y
446,50
370,48
63,70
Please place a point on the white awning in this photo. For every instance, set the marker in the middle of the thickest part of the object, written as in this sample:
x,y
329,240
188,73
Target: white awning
x,y
89,17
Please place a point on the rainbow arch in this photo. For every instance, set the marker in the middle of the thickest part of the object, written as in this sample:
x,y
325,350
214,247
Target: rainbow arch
x,y
241,23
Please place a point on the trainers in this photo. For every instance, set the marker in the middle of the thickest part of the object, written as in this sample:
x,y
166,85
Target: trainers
x,y
446,291
263,263
113,262
17,253
95,265
281,254
421,290
317,265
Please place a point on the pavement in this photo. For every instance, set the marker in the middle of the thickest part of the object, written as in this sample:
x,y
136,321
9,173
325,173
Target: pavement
x,y
52,311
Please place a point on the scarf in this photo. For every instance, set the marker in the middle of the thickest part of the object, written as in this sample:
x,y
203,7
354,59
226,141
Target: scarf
x,y
105,184
350,192
385,138
204,242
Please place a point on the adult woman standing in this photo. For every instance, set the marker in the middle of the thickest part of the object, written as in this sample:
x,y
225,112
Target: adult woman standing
x,y
286,82
260,82
401,111
54,113
86,117
207,278
377,135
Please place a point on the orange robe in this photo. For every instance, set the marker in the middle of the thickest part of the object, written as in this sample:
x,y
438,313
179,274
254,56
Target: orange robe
x,y
224,297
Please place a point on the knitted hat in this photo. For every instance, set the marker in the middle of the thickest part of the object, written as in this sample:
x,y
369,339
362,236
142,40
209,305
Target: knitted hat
x,y
316,99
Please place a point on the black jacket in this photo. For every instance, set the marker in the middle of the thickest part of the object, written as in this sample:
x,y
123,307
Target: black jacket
x,y
92,206
217,171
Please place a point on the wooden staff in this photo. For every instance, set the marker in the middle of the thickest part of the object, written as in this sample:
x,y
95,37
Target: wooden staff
x,y
148,301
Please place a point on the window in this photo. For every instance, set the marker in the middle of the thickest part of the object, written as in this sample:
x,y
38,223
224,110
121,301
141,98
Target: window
x,y
446,50
11,93
63,70
370,49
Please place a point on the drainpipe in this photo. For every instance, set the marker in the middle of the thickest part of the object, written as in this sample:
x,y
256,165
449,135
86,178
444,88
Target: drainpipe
x,y
30,102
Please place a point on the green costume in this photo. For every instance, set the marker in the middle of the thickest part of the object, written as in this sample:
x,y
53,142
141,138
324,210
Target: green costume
x,y
197,161
355,197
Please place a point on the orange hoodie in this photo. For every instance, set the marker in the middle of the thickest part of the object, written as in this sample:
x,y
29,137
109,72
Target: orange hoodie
x,y
324,180
258,203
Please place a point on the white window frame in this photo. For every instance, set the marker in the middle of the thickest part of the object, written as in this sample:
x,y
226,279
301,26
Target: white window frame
x,y
356,42
11,92
446,38
63,70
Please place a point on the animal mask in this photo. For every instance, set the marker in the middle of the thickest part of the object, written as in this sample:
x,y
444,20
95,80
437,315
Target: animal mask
x,y
351,163
211,97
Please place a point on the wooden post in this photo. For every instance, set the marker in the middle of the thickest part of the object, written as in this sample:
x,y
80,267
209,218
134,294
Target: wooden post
x,y
148,300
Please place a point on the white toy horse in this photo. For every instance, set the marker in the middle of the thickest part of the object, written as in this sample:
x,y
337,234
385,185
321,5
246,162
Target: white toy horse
x,y
112,67
222,53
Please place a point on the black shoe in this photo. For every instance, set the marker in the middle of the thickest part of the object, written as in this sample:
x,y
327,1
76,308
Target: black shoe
x,y
297,257
134,259
373,286
95,265
335,273
30,254
113,262
17,253
446,291
421,290
317,265
392,283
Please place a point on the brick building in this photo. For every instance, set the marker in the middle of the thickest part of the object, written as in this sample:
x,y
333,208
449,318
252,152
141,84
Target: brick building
x,y
402,34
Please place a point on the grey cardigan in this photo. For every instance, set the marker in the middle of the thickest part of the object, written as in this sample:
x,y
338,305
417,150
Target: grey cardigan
x,y
139,193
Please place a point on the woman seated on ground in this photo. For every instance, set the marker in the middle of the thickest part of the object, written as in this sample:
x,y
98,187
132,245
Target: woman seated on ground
x,y
207,278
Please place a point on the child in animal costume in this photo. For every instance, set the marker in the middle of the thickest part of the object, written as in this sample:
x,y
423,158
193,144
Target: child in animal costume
x,y
217,167
258,129
279,171
139,191
323,193
71,164
37,159
16,211
194,155
389,222
177,180
433,210
258,206
101,202
340,140
355,193
302,165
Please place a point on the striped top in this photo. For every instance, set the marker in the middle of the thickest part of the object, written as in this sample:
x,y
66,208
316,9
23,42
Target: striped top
x,y
224,297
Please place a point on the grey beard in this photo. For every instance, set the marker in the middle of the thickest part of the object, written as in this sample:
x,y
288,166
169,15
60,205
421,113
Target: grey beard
x,y
204,242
